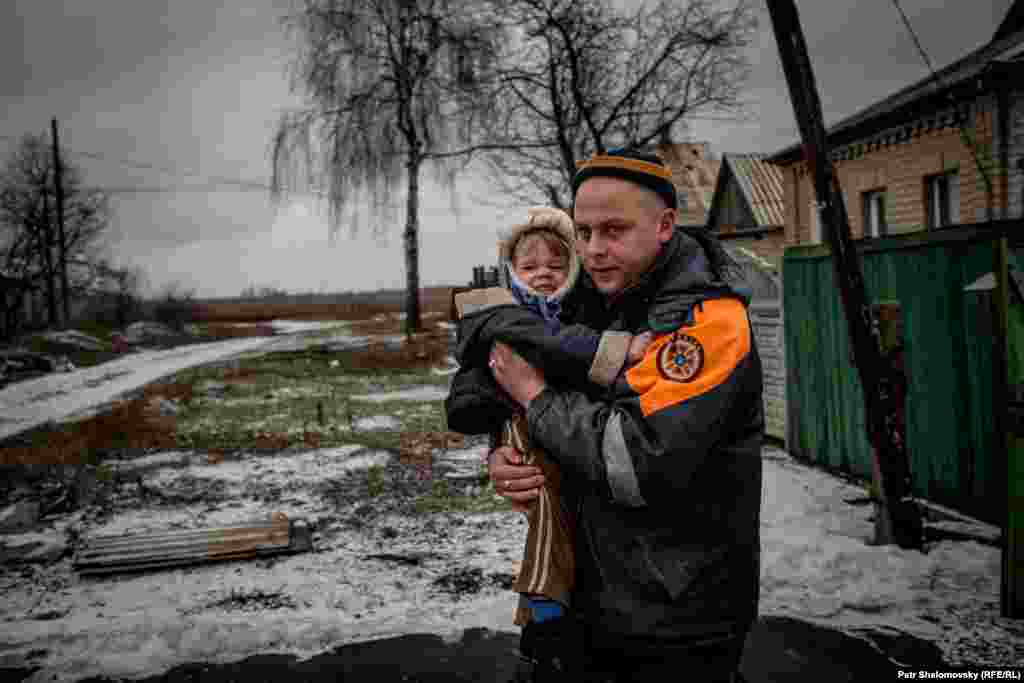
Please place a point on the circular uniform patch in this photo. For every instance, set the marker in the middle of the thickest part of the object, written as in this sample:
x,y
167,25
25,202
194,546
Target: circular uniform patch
x,y
681,358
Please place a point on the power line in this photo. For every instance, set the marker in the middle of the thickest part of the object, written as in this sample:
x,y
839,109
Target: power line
x,y
214,182
913,35
964,135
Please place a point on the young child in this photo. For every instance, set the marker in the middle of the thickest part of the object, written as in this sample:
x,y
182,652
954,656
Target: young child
x,y
540,267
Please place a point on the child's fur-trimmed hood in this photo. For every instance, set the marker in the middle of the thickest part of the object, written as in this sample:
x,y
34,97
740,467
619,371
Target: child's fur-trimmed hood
x,y
540,217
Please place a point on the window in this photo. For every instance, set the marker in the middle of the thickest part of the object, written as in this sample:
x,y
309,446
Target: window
x,y
943,193
873,202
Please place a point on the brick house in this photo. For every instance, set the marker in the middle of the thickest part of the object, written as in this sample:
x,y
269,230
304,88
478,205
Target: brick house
x,y
694,173
946,150
747,210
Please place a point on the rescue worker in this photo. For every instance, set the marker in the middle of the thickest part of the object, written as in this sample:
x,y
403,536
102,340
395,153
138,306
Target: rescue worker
x,y
664,463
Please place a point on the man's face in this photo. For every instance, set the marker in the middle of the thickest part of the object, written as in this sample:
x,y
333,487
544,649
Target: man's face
x,y
620,227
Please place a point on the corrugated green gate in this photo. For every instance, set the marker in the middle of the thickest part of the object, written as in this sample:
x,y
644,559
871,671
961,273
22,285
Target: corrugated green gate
x,y
948,340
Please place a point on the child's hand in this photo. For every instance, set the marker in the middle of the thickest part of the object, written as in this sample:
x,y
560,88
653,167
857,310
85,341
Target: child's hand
x,y
638,347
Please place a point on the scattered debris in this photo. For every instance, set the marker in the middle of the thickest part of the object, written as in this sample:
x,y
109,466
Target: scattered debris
x,y
119,344
251,601
33,548
162,406
213,389
468,581
17,365
413,559
146,331
19,517
243,541
76,339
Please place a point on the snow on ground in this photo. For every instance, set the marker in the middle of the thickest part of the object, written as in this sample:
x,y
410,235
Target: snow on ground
x,y
377,422
422,393
293,326
133,625
816,566
25,405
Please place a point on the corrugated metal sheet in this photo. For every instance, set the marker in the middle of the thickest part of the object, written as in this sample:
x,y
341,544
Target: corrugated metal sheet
x,y
761,185
948,355
245,540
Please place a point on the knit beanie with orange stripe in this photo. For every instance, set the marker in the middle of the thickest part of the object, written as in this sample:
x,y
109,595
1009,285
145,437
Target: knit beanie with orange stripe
x,y
639,167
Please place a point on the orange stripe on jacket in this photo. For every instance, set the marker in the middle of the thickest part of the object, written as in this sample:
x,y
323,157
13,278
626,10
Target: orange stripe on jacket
x,y
666,374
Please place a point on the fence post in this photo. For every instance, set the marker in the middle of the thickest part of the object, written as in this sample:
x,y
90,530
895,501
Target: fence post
x,y
1009,441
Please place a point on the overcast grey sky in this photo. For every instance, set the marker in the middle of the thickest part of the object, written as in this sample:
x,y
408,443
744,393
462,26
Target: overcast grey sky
x,y
198,86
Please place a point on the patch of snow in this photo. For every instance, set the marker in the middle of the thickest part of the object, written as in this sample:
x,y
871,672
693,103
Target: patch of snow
x,y
76,338
450,368
154,460
316,465
146,329
463,463
377,422
817,564
422,393
977,529
293,326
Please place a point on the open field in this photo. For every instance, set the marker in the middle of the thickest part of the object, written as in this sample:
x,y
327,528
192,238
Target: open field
x,y
294,397
327,307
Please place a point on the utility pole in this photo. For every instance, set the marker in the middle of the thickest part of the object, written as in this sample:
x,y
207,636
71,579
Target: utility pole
x,y
58,181
51,291
897,516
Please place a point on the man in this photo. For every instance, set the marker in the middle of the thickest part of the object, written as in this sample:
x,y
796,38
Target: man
x,y
664,463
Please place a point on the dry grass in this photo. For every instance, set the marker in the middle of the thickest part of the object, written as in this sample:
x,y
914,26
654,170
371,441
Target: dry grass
x,y
134,424
431,299
229,331
427,350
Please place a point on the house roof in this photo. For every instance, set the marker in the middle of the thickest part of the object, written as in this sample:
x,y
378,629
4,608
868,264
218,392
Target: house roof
x,y
760,184
1006,46
692,171
1013,21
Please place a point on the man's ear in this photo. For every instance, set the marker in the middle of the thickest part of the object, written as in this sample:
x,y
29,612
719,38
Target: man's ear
x,y
666,225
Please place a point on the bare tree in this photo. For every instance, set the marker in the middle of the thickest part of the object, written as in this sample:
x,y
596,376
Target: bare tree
x,y
28,218
585,76
391,85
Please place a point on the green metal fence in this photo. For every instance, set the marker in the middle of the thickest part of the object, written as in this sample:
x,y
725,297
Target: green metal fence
x,y
948,342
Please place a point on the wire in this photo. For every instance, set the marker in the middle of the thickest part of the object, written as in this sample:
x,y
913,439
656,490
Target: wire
x,y
214,182
913,35
964,135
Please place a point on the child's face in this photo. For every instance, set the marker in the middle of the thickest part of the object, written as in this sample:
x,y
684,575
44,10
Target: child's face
x,y
540,267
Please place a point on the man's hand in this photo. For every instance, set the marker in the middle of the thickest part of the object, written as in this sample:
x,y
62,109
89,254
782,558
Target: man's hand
x,y
638,347
519,379
519,484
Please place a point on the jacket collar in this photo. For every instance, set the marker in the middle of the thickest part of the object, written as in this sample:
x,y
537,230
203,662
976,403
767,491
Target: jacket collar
x,y
681,276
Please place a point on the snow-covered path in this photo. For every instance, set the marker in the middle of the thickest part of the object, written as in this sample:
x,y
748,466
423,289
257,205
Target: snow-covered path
x,y
59,396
